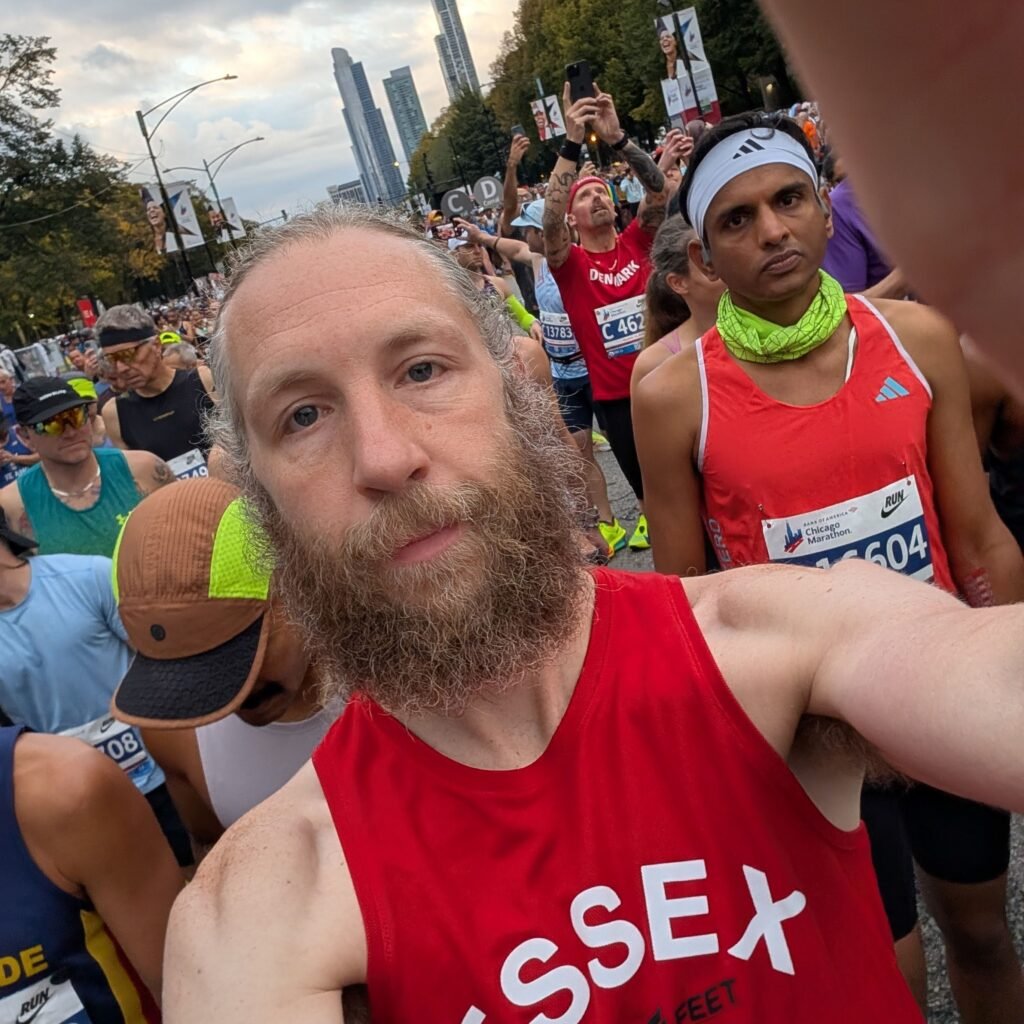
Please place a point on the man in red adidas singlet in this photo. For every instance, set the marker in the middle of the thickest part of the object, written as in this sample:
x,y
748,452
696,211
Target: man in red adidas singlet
x,y
521,817
855,442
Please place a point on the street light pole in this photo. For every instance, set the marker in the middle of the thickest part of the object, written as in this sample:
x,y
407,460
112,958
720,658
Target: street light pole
x,y
166,201
147,134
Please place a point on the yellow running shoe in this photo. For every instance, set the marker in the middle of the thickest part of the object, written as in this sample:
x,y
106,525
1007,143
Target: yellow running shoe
x,y
614,536
600,442
640,541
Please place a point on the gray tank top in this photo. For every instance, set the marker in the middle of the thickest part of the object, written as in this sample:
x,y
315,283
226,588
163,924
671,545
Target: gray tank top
x,y
244,764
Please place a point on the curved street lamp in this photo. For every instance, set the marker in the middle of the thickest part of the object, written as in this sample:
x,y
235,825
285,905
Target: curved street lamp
x,y
148,134
212,172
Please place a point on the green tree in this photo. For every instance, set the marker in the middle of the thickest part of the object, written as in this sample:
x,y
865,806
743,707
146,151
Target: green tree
x,y
70,223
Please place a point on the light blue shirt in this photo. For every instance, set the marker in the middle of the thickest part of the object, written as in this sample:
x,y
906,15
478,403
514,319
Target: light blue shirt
x,y
63,650
633,189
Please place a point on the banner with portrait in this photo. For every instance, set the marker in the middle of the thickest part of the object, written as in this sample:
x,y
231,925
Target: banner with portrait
x,y
160,223
231,217
547,115
686,67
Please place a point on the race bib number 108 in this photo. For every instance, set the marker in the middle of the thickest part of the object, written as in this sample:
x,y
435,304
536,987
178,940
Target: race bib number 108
x,y
886,527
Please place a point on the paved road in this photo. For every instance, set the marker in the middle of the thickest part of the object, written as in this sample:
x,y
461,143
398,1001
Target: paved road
x,y
941,1007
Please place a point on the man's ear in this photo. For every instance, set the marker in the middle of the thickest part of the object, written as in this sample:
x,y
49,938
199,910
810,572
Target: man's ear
x,y
26,437
825,202
700,256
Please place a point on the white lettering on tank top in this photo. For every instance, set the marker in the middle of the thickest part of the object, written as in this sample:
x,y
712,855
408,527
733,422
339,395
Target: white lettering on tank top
x,y
629,271
663,914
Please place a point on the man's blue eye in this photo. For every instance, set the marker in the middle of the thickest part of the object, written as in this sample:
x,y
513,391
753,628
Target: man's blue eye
x,y
305,416
421,372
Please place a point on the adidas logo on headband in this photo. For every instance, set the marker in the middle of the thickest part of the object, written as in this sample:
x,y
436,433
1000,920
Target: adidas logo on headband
x,y
748,147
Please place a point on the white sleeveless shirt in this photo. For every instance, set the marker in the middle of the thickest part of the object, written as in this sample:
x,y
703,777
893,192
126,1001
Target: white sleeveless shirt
x,y
244,764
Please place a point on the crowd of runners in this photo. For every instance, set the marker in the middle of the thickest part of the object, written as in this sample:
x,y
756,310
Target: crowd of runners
x,y
321,701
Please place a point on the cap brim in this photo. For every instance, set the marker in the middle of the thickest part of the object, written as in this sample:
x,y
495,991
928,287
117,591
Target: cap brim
x,y
522,222
179,693
54,410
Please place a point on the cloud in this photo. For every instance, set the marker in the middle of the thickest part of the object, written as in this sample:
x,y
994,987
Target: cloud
x,y
116,56
104,58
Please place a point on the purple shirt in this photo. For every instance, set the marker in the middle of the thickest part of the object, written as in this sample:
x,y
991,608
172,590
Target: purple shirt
x,y
853,257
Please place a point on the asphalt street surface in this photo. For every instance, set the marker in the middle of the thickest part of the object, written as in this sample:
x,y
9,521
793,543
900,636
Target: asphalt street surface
x,y
941,1007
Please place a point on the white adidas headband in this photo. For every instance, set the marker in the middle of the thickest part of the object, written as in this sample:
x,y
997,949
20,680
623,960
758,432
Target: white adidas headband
x,y
735,155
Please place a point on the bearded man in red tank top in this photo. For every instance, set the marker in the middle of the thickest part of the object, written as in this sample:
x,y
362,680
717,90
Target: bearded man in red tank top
x,y
809,428
520,817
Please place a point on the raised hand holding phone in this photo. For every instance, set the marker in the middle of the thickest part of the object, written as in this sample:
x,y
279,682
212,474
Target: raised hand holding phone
x,y
578,114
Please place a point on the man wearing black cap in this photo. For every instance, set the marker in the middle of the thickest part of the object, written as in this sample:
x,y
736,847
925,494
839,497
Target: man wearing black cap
x,y
75,499
161,409
221,687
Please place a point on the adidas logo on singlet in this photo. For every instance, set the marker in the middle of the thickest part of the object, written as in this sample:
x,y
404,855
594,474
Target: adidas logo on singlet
x,y
891,390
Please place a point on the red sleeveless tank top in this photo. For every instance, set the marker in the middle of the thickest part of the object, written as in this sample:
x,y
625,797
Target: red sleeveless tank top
x,y
811,485
658,863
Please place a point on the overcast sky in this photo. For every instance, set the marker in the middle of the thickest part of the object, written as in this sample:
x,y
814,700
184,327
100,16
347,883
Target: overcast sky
x,y
114,56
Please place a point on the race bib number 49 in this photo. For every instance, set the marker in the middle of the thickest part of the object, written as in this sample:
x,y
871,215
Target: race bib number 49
x,y
622,326
886,527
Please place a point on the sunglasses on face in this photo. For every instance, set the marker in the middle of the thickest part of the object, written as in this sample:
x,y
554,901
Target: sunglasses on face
x,y
125,356
69,419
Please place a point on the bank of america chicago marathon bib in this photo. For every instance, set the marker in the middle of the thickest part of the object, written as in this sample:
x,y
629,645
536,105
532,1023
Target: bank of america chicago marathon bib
x,y
189,464
622,326
122,744
50,1001
559,340
886,526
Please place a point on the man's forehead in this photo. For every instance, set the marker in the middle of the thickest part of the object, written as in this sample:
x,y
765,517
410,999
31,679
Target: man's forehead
x,y
348,285
753,184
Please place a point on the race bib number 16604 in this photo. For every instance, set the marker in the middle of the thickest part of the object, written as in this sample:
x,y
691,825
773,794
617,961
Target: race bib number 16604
x,y
886,526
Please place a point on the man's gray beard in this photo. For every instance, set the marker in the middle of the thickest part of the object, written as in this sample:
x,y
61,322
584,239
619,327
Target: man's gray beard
x,y
495,606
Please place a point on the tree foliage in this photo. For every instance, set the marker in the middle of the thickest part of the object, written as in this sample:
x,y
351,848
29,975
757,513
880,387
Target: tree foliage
x,y
71,224
619,41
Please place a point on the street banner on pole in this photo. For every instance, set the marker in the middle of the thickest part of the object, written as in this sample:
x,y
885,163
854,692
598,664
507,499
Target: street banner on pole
x,y
184,214
686,67
703,77
233,218
156,215
547,115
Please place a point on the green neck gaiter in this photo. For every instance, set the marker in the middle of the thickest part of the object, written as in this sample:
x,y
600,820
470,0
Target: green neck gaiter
x,y
754,340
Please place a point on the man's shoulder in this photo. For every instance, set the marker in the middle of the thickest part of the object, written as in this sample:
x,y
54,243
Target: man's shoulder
x,y
919,327
278,873
672,380
574,262
285,847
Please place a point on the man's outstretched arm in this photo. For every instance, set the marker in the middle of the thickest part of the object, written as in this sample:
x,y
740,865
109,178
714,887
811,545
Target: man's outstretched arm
x,y
556,199
510,191
935,686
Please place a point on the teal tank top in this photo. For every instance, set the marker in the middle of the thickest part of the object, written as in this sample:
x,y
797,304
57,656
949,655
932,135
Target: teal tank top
x,y
93,531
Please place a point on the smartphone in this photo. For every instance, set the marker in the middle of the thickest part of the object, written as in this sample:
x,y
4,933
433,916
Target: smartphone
x,y
581,82
517,129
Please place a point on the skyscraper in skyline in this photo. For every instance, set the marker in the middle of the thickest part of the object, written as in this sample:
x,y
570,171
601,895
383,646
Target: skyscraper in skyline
x,y
406,109
457,65
371,144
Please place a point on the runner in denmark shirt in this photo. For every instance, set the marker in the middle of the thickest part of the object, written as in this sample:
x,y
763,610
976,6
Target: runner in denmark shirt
x,y
603,293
